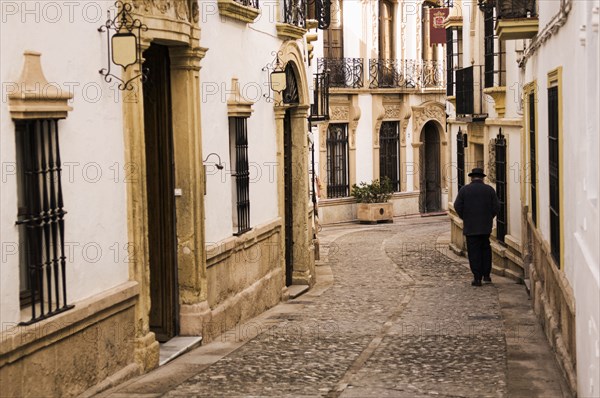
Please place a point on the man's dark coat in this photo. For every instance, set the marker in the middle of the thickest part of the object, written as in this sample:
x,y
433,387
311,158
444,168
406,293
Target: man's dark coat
x,y
477,204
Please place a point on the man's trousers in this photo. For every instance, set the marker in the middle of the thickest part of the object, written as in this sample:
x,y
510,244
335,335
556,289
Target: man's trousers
x,y
480,255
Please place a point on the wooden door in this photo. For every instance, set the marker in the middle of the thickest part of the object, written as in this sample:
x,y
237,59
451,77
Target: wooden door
x,y
333,37
162,243
433,199
289,197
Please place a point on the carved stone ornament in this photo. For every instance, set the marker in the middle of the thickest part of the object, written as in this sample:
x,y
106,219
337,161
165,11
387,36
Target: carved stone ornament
x,y
340,113
491,175
174,9
391,112
422,115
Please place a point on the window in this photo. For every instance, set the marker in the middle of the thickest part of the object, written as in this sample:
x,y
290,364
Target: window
x,y
460,158
554,171
333,37
248,3
389,153
241,173
453,57
502,218
494,75
294,12
338,185
40,219
386,29
532,157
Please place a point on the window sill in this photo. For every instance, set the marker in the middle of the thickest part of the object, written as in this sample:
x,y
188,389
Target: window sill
x,y
237,11
287,31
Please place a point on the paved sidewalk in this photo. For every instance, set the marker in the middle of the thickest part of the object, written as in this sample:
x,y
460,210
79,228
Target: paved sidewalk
x,y
392,315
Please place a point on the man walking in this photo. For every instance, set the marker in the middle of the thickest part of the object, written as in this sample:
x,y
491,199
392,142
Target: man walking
x,y
477,205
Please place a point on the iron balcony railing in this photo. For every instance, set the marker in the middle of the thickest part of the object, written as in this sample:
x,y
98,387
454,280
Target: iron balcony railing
x,y
294,12
248,3
515,9
343,72
469,92
393,73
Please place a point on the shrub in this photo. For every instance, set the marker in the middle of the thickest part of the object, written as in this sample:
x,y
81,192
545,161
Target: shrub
x,y
375,192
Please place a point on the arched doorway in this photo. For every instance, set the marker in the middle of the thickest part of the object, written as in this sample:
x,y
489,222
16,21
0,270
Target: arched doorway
x,y
430,197
291,114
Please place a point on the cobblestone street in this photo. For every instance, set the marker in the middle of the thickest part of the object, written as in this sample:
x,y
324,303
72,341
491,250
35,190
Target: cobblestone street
x,y
393,315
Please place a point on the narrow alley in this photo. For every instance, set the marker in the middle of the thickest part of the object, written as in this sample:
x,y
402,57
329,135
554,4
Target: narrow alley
x,y
393,314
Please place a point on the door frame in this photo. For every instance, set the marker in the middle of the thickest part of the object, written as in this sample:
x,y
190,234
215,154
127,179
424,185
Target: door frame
x,y
182,36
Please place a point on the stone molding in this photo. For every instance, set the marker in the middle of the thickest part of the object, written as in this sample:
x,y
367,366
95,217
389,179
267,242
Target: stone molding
x,y
287,31
35,97
20,341
238,12
238,106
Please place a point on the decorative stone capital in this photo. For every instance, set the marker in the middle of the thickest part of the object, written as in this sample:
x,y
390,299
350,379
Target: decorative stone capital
x,y
34,97
287,31
238,106
236,11
498,94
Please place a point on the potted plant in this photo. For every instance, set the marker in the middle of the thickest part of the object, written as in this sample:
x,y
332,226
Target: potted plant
x,y
372,201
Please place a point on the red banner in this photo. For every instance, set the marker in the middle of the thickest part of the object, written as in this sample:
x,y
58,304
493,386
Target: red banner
x,y
437,33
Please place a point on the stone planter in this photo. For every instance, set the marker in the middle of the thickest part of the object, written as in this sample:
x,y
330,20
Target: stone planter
x,y
375,212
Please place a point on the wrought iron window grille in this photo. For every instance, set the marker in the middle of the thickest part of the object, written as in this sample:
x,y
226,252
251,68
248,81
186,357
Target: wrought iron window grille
x,y
338,180
554,173
239,133
502,217
41,219
294,12
125,27
516,9
248,3
460,158
532,158
389,153
343,72
453,58
494,54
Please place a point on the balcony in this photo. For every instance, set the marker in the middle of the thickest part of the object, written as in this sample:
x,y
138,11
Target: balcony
x,y
240,10
409,74
343,72
517,19
293,19
469,94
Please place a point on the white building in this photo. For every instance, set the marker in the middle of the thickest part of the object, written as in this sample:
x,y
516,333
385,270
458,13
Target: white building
x,y
387,108
152,248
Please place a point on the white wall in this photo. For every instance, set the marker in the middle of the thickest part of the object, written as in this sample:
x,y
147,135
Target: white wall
x,y
247,49
579,171
91,145
364,141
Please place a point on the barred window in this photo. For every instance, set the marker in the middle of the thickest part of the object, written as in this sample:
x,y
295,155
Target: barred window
x,y
502,218
532,158
453,57
494,53
460,158
40,219
389,153
554,171
241,173
338,180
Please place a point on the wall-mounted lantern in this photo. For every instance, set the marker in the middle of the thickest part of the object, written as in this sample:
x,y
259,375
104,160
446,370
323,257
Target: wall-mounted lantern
x,y
277,76
124,45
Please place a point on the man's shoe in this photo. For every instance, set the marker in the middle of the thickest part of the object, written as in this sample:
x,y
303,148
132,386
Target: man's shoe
x,y
476,283
487,279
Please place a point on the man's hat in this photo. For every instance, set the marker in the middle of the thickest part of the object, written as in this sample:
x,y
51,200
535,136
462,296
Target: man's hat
x,y
477,172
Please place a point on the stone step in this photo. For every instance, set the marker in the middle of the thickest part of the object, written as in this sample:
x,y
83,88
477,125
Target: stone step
x,y
176,347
